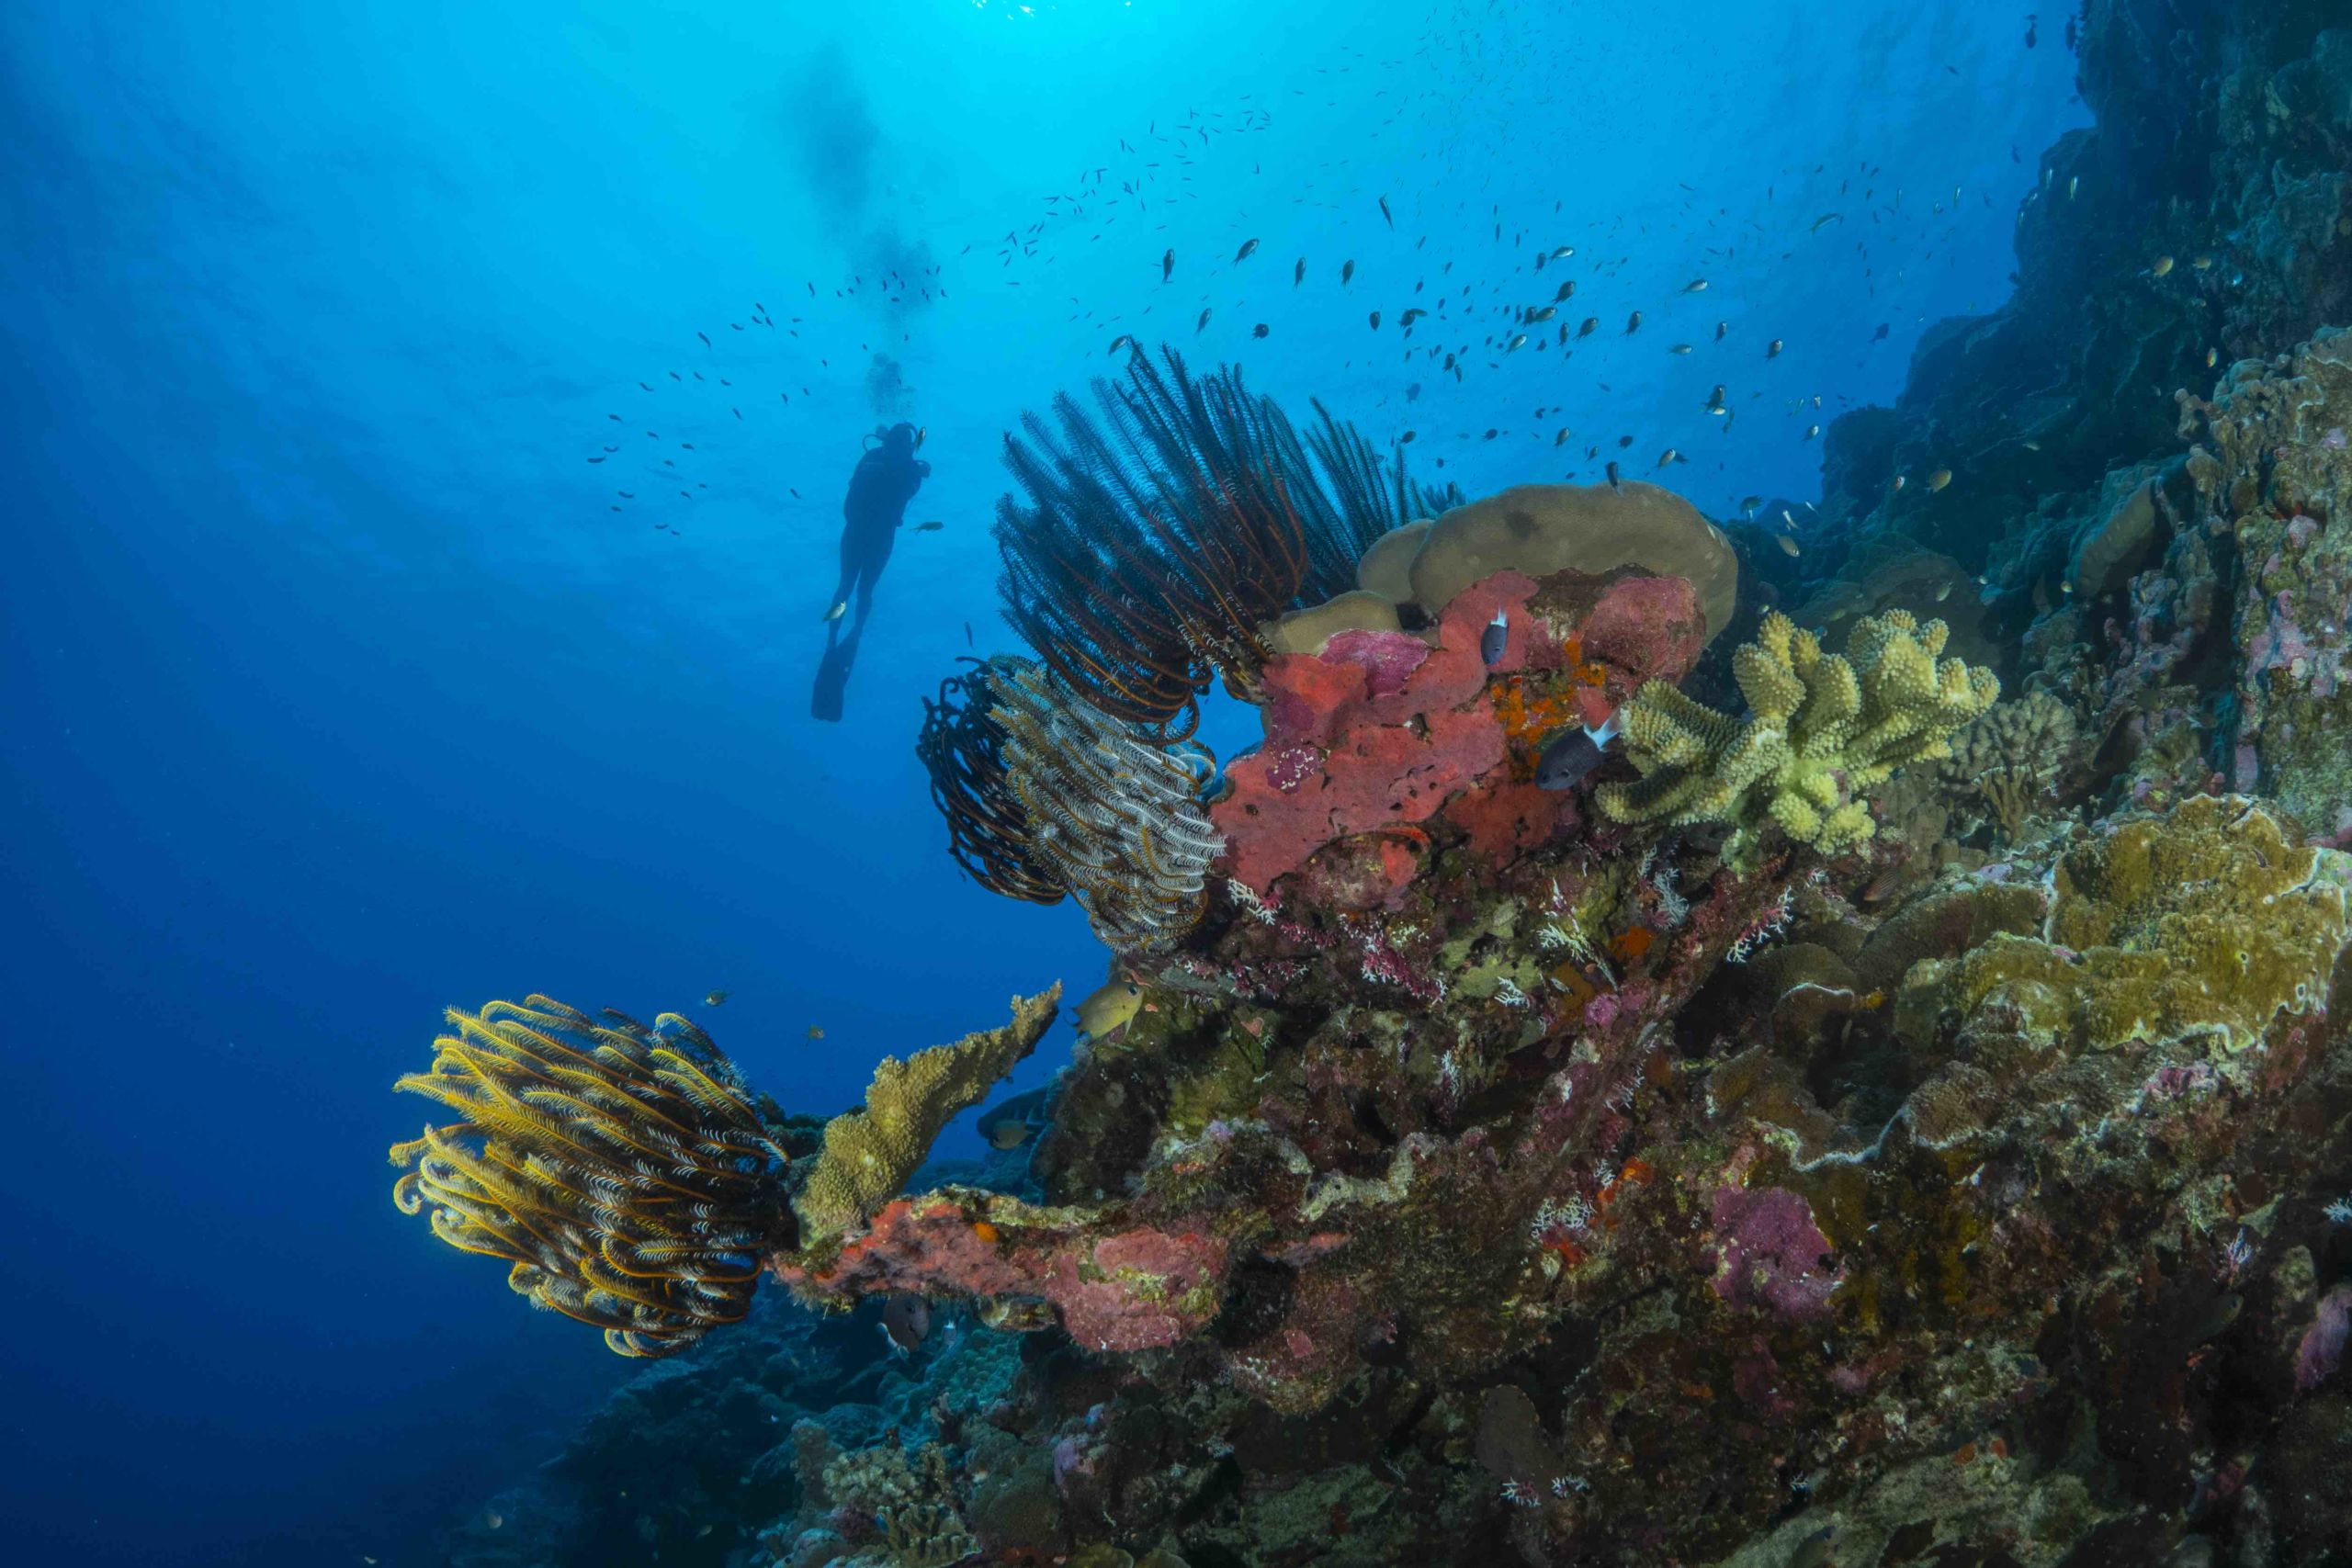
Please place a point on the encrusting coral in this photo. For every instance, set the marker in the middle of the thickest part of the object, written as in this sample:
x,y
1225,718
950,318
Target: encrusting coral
x,y
867,1155
1821,730
1114,814
628,1173
2211,922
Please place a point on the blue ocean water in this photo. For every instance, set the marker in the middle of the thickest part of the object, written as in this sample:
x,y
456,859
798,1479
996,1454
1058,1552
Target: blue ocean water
x,y
336,692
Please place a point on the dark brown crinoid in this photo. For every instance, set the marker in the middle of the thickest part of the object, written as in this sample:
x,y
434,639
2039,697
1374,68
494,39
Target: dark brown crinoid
x,y
1148,541
962,747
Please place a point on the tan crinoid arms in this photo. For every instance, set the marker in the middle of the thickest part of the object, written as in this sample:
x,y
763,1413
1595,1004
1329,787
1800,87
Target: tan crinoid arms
x,y
627,1173
1821,732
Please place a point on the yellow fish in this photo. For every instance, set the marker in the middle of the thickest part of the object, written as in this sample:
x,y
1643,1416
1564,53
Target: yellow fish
x,y
816,1032
1939,479
1789,546
1109,1008
2163,266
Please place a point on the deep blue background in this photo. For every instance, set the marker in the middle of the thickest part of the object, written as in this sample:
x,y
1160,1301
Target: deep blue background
x,y
332,691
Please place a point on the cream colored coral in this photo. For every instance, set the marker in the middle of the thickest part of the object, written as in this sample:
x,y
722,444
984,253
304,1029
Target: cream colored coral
x,y
868,1154
1821,731
1541,529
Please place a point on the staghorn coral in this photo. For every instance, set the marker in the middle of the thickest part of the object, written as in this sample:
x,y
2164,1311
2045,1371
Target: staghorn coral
x,y
1112,814
1820,732
867,1155
962,748
2013,757
2207,921
628,1173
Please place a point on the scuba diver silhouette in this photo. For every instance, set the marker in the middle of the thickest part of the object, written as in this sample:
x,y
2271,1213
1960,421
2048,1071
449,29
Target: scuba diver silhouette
x,y
885,480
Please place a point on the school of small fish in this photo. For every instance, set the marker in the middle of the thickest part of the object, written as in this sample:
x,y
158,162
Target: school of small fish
x,y
1456,297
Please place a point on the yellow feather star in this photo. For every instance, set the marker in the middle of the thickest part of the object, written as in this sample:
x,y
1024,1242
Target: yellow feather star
x,y
626,1172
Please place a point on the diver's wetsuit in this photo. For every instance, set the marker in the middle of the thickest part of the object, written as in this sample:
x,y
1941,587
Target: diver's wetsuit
x,y
885,481
886,478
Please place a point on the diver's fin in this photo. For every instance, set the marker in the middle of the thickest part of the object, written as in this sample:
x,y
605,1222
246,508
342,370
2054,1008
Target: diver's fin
x,y
832,681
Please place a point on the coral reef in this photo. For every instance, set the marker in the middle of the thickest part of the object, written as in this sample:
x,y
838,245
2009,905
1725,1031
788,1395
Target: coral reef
x,y
1821,731
1373,735
2280,471
1541,529
2213,919
1948,1164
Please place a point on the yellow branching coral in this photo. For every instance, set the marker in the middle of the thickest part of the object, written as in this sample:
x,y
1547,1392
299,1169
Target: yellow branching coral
x,y
868,1154
1821,731
1115,815
627,1173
